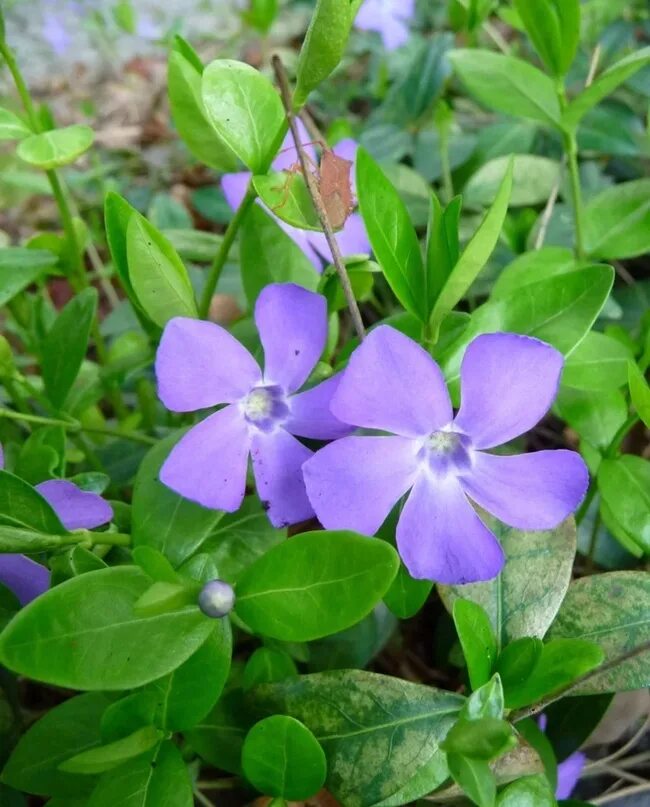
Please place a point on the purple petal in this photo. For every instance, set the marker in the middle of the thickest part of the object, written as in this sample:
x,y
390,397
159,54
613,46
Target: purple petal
x,y
354,483
234,187
392,384
77,509
302,239
352,240
277,465
26,578
311,416
441,538
394,34
528,491
292,323
208,465
346,148
568,774
507,383
199,364
288,156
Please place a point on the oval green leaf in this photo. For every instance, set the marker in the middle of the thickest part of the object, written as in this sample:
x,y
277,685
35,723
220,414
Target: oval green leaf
x,y
56,148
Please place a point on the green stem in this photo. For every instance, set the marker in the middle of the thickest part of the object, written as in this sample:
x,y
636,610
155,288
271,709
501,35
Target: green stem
x,y
570,143
74,426
17,539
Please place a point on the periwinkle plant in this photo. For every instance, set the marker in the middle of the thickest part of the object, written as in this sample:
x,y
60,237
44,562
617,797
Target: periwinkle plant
x,y
248,551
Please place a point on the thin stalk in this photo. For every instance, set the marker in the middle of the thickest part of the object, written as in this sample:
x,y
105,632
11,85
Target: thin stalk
x,y
314,193
75,427
570,143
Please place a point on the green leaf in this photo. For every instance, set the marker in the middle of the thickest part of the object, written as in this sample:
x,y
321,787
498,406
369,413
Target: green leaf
x,y
525,598
268,255
13,539
487,701
157,779
624,484
599,363
475,779
262,14
267,665
508,85
554,29
282,758
531,791
155,564
323,46
571,721
427,779
483,738
474,256
595,416
194,245
84,634
617,221
42,455
162,519
117,215
612,609
477,640
306,576
560,662
287,196
391,234
128,714
560,311
406,595
604,85
442,245
12,127
517,661
533,181
67,729
65,346
245,110
23,507
531,267
181,704
390,727
189,115
57,147
20,267
106,757
639,392
158,276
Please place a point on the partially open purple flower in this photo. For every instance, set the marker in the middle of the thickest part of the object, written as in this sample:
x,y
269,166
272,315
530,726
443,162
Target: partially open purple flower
x,y
508,382
77,509
352,239
200,365
389,18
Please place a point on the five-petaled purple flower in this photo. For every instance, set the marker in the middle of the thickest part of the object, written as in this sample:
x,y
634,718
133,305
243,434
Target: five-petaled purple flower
x,y
77,509
352,238
200,365
389,18
508,383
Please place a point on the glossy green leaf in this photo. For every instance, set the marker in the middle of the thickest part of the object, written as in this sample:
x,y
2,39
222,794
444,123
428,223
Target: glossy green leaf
x,y
287,196
158,276
477,640
624,484
262,14
57,147
162,519
531,791
554,29
12,127
282,758
157,779
599,363
517,661
268,255
507,84
532,267
392,235
403,724
106,757
639,392
84,634
406,595
571,721
65,345
486,701
322,47
117,215
245,110
525,598
483,738
612,609
595,416
188,112
41,456
267,665
442,249
604,85
533,181
23,507
20,267
65,730
127,715
475,779
617,221
475,255
305,576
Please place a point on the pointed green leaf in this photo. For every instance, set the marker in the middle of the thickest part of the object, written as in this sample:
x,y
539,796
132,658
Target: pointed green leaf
x,y
57,147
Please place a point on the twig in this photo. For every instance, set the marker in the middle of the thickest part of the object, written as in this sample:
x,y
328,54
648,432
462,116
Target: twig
x,y
314,192
598,763
530,711
621,794
202,799
546,216
593,65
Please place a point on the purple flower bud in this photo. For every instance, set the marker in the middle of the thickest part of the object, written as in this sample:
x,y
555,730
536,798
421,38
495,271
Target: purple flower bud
x,y
217,599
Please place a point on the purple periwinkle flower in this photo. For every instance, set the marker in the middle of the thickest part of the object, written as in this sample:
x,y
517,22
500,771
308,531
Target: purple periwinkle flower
x,y
389,18
200,364
77,509
508,383
55,33
352,239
